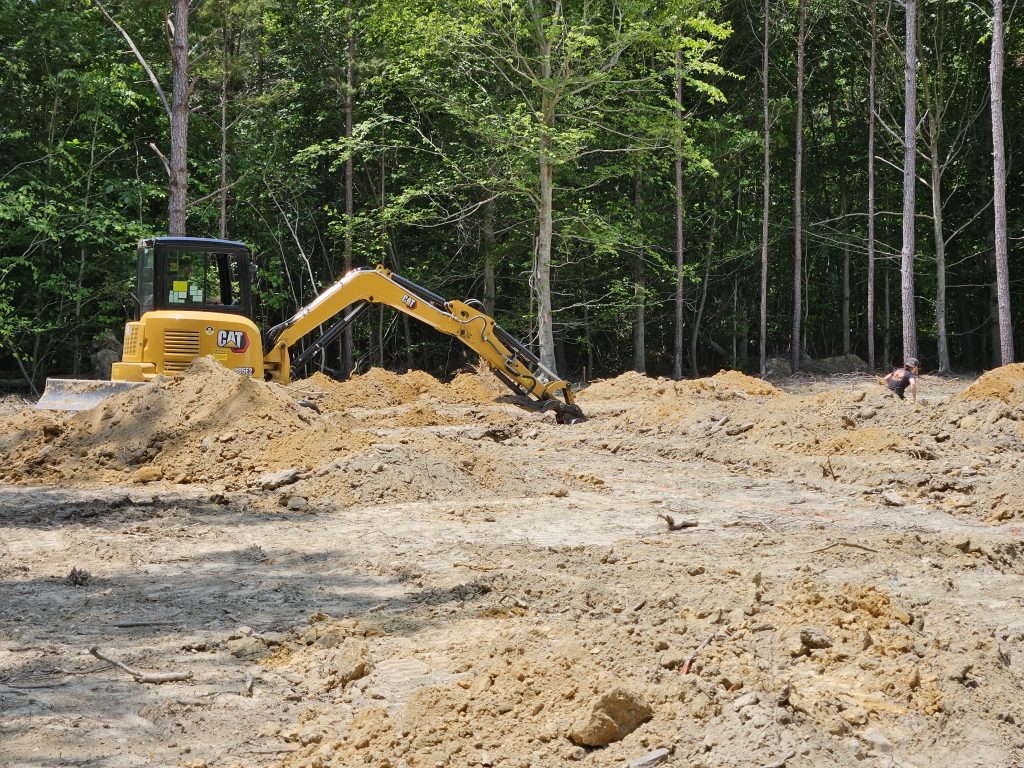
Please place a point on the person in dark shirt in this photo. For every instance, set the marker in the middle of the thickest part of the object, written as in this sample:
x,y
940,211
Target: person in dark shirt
x,y
902,379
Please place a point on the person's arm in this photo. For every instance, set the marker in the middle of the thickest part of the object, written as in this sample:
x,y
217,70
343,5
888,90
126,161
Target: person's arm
x,y
913,389
888,378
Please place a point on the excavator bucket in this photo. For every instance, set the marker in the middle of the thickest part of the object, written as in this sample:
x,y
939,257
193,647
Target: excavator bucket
x,y
80,394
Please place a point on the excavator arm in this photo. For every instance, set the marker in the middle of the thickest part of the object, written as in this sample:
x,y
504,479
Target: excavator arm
x,y
534,386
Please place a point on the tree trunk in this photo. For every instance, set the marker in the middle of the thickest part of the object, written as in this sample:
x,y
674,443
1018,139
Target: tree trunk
x,y
545,227
677,360
226,43
487,237
843,212
887,329
798,192
999,186
639,280
871,188
766,201
942,336
347,344
909,181
178,188
695,331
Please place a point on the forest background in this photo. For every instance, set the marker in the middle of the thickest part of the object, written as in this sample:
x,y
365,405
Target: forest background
x,y
671,187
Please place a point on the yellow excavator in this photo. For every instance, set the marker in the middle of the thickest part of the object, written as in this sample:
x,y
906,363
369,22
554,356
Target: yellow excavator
x,y
194,299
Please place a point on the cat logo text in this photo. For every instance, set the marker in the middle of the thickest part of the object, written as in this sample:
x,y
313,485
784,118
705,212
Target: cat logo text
x,y
236,341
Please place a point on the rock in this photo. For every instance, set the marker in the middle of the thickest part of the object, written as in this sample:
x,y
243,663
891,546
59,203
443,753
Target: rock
x,y
854,716
296,503
877,741
893,499
348,662
269,728
673,659
245,647
810,640
747,700
611,717
559,492
147,474
968,422
272,480
651,759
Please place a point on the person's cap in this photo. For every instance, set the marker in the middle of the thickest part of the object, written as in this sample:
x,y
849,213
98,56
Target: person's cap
x,y
912,362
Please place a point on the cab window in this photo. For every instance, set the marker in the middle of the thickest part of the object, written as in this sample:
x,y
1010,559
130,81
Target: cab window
x,y
202,278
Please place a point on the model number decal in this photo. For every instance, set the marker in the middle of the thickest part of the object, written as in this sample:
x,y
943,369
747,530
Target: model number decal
x,y
236,341
245,371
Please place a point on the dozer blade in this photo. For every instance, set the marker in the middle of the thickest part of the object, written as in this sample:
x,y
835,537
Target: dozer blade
x,y
80,394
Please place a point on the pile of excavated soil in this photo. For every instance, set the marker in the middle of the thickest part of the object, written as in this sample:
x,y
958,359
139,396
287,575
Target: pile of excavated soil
x,y
213,426
963,453
427,439
1005,384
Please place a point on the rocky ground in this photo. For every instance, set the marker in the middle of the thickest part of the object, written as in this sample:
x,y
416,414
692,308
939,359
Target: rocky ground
x,y
214,571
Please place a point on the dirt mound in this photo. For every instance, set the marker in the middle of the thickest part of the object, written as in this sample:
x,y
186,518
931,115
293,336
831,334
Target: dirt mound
x,y
376,388
735,380
629,386
210,422
1006,384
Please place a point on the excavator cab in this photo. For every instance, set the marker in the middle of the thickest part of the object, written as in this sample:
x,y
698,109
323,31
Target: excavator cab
x,y
197,274
193,298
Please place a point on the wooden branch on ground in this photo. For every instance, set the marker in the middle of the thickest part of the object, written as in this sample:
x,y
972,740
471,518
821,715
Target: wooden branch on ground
x,y
674,526
142,677
843,543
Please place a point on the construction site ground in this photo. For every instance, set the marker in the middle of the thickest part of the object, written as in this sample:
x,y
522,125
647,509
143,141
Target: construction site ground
x,y
400,573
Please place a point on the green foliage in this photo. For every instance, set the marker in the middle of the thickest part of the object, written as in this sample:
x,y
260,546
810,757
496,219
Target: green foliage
x,y
460,106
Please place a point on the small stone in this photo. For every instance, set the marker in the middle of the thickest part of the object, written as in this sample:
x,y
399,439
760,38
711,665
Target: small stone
x,y
650,760
560,492
296,503
269,728
147,474
854,716
272,480
747,700
610,718
968,422
893,499
877,741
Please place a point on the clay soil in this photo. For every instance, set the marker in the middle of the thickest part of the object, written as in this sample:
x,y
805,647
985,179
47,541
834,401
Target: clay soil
x,y
399,573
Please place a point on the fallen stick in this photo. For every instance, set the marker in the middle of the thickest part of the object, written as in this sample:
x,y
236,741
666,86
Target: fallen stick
x,y
674,526
693,656
142,677
842,544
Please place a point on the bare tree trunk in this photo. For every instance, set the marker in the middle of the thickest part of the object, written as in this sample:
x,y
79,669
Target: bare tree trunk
x,y
226,42
798,192
542,269
871,187
766,200
999,186
843,212
909,182
677,360
639,280
178,187
490,287
887,338
942,336
347,343
695,331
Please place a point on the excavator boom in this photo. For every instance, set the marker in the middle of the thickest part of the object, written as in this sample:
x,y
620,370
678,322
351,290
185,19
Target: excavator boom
x,y
534,385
